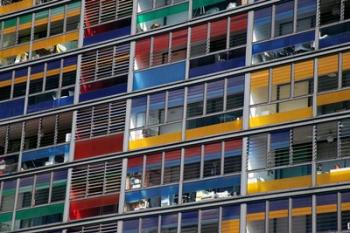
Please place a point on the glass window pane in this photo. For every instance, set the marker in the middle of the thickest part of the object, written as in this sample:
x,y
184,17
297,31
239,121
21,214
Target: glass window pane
x,y
192,163
230,219
327,140
302,144
209,221
238,30
215,96
195,100
169,223
278,216
329,11
279,150
172,161
257,151
153,170
326,219
212,159
199,40
25,192
138,112
8,195
131,226
301,215
284,18
179,45
189,222
42,189
262,24
156,109
256,217
134,173
306,17
175,105
218,31
160,49
345,210
259,83
149,225
281,77
232,155
235,92
328,73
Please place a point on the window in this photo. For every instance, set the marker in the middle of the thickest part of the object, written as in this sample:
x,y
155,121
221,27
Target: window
x,y
301,214
329,11
326,219
200,110
170,15
161,121
280,149
275,86
19,32
161,49
332,81
278,223
262,24
284,18
256,225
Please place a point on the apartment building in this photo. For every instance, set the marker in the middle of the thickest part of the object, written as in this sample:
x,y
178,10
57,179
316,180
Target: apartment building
x,y
175,116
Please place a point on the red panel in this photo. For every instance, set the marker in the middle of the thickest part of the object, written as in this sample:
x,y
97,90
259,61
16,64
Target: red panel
x,y
173,155
199,33
233,144
218,28
212,148
98,146
238,23
89,207
193,151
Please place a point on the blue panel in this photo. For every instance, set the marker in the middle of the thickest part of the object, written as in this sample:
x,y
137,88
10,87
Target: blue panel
x,y
216,67
44,153
151,193
283,42
70,61
113,90
12,108
212,184
158,76
50,104
334,40
5,76
107,35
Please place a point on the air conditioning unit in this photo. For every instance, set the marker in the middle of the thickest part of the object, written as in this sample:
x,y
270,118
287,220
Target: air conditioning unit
x,y
348,225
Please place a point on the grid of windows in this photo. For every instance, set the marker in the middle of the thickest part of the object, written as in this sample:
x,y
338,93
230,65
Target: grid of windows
x,y
174,116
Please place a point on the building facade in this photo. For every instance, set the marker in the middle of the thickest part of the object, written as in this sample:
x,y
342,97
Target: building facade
x,y
175,116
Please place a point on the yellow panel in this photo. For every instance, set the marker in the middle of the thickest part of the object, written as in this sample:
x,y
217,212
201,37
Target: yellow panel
x,y
281,75
302,211
333,97
73,12
281,117
155,141
69,68
14,51
334,176
278,214
214,129
16,6
345,206
41,21
9,30
256,216
230,226
326,208
22,79
346,61
57,17
259,79
25,26
327,65
280,184
52,41
5,83
303,70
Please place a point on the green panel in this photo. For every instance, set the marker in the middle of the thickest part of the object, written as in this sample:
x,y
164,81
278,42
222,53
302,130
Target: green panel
x,y
202,3
9,192
156,14
73,5
42,15
25,18
40,211
6,217
57,10
10,23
